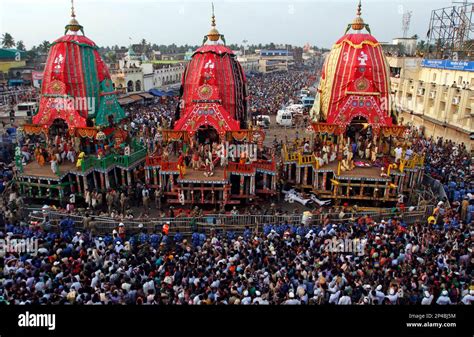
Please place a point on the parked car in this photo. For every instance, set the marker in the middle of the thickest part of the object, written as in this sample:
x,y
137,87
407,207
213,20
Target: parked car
x,y
263,121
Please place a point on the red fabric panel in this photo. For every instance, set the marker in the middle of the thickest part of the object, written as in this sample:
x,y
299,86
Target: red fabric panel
x,y
361,84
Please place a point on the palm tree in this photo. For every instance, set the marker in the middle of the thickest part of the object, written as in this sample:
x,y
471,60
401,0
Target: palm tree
x,y
44,46
32,54
8,41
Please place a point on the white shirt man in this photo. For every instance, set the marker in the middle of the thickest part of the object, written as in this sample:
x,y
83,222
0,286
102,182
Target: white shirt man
x,y
306,148
468,298
118,247
392,296
345,300
247,299
444,298
427,299
259,300
398,153
379,294
334,298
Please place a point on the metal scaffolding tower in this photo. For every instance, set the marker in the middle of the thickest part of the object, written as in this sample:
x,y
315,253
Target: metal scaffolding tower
x,y
451,33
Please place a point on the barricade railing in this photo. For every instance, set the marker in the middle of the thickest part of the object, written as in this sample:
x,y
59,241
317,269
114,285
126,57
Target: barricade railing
x,y
436,186
169,166
228,222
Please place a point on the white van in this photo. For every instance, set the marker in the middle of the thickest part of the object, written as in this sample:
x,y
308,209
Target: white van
x,y
284,118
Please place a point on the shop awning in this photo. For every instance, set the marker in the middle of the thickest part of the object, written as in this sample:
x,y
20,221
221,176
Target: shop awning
x,y
160,93
146,95
156,92
136,98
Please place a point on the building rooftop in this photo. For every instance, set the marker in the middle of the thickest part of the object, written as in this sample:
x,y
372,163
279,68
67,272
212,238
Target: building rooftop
x,y
11,54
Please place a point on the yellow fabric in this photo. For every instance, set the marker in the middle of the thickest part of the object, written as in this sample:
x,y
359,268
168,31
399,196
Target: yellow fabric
x,y
34,129
327,83
357,46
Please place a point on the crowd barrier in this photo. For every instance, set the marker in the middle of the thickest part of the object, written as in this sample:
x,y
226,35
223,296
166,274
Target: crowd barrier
x,y
225,222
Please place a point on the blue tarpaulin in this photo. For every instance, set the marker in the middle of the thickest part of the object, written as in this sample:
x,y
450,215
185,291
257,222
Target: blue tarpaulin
x,y
160,93
448,64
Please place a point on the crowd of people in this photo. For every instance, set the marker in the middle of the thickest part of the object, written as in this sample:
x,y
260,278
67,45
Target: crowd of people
x,y
341,261
451,164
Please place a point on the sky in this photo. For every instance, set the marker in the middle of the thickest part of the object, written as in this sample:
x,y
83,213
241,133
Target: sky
x,y
296,22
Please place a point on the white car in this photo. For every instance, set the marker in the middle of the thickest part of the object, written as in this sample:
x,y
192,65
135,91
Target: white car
x,y
291,196
295,108
263,121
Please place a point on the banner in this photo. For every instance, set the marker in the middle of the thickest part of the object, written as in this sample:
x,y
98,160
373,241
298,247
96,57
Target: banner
x,y
448,64
37,75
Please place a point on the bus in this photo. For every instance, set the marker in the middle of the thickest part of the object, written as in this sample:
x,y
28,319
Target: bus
x,y
304,92
308,102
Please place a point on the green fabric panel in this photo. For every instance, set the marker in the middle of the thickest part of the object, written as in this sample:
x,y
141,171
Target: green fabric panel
x,y
78,78
85,71
90,76
85,45
95,81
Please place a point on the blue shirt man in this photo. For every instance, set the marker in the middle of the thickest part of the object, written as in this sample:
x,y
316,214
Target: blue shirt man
x,y
143,238
202,238
300,231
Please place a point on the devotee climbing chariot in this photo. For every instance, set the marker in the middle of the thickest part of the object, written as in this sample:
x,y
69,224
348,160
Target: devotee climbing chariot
x,y
212,155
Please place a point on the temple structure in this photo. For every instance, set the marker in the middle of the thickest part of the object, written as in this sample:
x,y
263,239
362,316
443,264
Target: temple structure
x,y
78,112
208,155
354,132
76,87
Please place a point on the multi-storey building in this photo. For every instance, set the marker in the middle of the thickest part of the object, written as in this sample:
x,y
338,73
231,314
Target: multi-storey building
x,y
435,94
